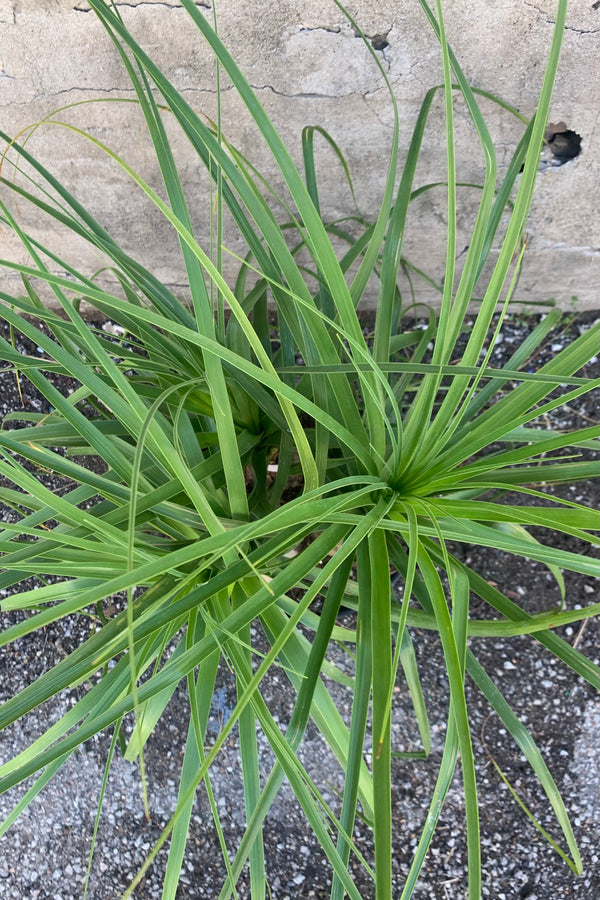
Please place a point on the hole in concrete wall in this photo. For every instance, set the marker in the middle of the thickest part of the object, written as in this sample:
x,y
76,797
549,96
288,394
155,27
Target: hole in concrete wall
x,y
562,143
379,42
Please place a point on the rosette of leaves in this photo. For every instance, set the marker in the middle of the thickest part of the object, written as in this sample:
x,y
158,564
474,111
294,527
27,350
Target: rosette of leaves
x,y
244,477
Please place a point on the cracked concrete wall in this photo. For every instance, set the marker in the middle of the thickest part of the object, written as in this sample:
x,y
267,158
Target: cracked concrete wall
x,y
308,67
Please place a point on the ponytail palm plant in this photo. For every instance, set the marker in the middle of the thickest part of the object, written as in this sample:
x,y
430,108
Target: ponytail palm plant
x,y
244,477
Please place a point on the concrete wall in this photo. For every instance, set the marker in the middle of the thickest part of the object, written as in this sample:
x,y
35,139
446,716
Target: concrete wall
x,y
308,67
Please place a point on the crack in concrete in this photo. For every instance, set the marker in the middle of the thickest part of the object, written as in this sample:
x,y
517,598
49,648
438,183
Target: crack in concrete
x,y
550,21
374,112
88,90
193,90
308,95
11,16
94,90
184,90
329,29
378,41
45,95
4,73
133,5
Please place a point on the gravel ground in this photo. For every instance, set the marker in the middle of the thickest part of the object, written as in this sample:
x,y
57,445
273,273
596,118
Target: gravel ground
x,y
45,855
